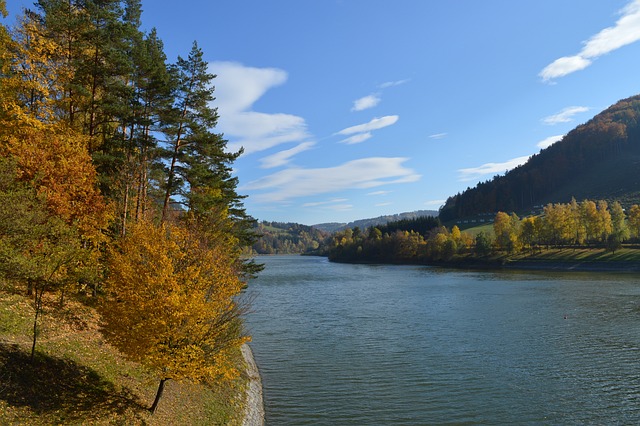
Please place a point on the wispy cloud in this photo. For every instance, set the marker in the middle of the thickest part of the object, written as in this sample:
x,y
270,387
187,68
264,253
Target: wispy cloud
x,y
490,168
564,116
374,99
383,204
283,157
393,83
366,102
375,124
625,31
545,143
238,87
438,136
357,174
379,193
434,203
324,203
359,138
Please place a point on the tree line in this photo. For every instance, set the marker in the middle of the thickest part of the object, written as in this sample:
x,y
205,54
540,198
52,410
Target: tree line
x,y
114,184
588,223
585,224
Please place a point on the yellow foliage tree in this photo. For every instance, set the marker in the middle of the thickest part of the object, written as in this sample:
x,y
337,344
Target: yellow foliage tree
x,y
507,231
634,220
171,304
56,161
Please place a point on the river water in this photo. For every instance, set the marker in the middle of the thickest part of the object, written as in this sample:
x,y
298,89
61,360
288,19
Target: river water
x,y
344,344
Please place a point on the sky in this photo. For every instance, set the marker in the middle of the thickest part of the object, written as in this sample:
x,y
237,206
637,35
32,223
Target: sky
x,y
352,109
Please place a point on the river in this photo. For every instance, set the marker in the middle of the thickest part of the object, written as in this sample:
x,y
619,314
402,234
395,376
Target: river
x,y
342,344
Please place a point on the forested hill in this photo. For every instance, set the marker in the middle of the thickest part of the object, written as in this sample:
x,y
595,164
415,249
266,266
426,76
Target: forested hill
x,y
287,238
380,220
597,160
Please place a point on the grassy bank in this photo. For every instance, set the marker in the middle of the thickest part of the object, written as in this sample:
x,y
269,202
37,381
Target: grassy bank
x,y
77,378
569,259
582,255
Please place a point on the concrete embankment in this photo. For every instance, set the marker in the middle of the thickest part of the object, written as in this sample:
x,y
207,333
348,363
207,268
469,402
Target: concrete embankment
x,y
254,409
575,266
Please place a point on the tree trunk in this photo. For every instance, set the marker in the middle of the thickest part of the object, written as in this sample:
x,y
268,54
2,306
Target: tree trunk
x,y
38,306
154,407
29,287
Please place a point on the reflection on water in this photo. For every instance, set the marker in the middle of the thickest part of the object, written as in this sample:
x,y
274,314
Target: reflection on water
x,y
363,344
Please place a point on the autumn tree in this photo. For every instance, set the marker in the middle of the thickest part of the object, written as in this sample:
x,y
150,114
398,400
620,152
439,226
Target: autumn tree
x,y
634,220
576,223
36,246
559,224
530,231
618,223
605,226
507,230
171,303
589,216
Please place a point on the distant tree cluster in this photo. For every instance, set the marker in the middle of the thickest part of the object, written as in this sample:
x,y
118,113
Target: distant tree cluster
x,y
113,182
585,224
406,241
588,223
612,134
287,238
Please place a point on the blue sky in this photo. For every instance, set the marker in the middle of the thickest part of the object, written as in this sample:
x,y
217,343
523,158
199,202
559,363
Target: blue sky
x,y
351,109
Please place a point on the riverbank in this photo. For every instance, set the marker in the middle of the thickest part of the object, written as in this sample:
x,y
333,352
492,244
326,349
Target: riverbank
x,y
254,408
560,259
576,266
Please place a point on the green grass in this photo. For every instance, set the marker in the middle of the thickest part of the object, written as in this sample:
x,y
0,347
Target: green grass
x,y
582,255
475,230
78,379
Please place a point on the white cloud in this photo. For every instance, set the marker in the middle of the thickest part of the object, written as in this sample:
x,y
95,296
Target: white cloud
x,y
564,116
375,124
379,193
357,174
545,143
490,168
341,207
563,66
238,87
393,83
435,203
361,137
366,102
438,136
324,203
383,204
283,157
624,32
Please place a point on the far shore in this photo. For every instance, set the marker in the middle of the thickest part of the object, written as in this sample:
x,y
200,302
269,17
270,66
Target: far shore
x,y
527,264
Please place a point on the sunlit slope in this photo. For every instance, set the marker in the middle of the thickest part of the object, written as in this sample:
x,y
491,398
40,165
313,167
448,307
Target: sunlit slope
x,y
597,160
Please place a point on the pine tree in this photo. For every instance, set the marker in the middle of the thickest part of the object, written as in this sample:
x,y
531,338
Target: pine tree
x,y
188,122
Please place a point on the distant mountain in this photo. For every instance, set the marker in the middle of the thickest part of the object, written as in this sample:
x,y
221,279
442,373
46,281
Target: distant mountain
x,y
597,160
381,220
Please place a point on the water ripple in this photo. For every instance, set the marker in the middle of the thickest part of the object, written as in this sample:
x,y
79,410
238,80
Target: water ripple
x,y
357,345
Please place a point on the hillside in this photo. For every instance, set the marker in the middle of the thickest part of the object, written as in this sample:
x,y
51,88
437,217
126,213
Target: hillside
x,y
380,220
79,378
287,238
597,160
